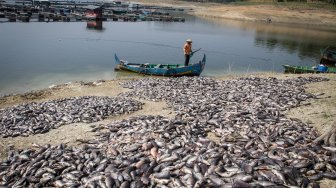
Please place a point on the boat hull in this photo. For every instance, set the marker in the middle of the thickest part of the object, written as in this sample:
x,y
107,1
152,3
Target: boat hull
x,y
306,69
328,56
162,70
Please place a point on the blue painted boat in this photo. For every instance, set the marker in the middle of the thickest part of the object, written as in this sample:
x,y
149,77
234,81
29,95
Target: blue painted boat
x,y
160,69
308,69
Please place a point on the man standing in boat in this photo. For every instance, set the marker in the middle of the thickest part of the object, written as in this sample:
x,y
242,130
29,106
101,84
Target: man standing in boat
x,y
187,48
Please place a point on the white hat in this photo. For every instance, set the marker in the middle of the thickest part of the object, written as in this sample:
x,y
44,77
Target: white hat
x,y
188,40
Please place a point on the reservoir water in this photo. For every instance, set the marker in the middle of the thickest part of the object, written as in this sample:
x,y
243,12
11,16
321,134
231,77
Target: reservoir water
x,y
36,55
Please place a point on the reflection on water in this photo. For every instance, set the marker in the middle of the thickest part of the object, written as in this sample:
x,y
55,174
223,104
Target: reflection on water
x,y
36,55
303,40
95,25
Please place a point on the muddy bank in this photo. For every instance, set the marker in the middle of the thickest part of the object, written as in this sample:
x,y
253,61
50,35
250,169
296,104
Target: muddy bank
x,y
271,14
280,14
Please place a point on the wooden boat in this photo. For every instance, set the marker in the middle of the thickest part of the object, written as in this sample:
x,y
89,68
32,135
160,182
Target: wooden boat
x,y
119,11
307,69
161,70
328,56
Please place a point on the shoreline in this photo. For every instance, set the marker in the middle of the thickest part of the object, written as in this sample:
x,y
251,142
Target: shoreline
x,y
273,13
311,112
111,88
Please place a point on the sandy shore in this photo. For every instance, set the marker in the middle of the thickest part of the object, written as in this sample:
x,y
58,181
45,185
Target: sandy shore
x,y
319,113
277,13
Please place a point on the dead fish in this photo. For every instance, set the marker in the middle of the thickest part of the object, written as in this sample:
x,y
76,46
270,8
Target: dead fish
x,y
109,182
39,118
332,149
263,183
241,184
215,180
162,175
329,175
246,167
161,181
145,179
169,159
316,177
154,152
177,182
257,144
147,146
125,184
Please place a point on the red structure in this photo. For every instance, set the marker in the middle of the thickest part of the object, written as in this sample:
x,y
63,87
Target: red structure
x,y
93,12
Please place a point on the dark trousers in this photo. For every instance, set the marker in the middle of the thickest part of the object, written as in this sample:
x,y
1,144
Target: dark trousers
x,y
186,60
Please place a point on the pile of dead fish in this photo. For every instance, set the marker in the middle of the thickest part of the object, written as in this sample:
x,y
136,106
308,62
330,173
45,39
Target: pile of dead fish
x,y
153,151
222,100
188,91
59,166
225,134
179,153
34,118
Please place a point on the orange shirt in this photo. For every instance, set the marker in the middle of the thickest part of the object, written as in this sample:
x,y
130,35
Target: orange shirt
x,y
187,48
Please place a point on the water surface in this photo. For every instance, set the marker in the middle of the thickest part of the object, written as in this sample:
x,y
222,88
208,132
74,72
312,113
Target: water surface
x,y
35,55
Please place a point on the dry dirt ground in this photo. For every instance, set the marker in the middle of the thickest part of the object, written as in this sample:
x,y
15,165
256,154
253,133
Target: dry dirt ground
x,y
319,113
277,13
262,13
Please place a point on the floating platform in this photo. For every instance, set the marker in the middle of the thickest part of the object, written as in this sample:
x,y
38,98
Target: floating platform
x,y
67,11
